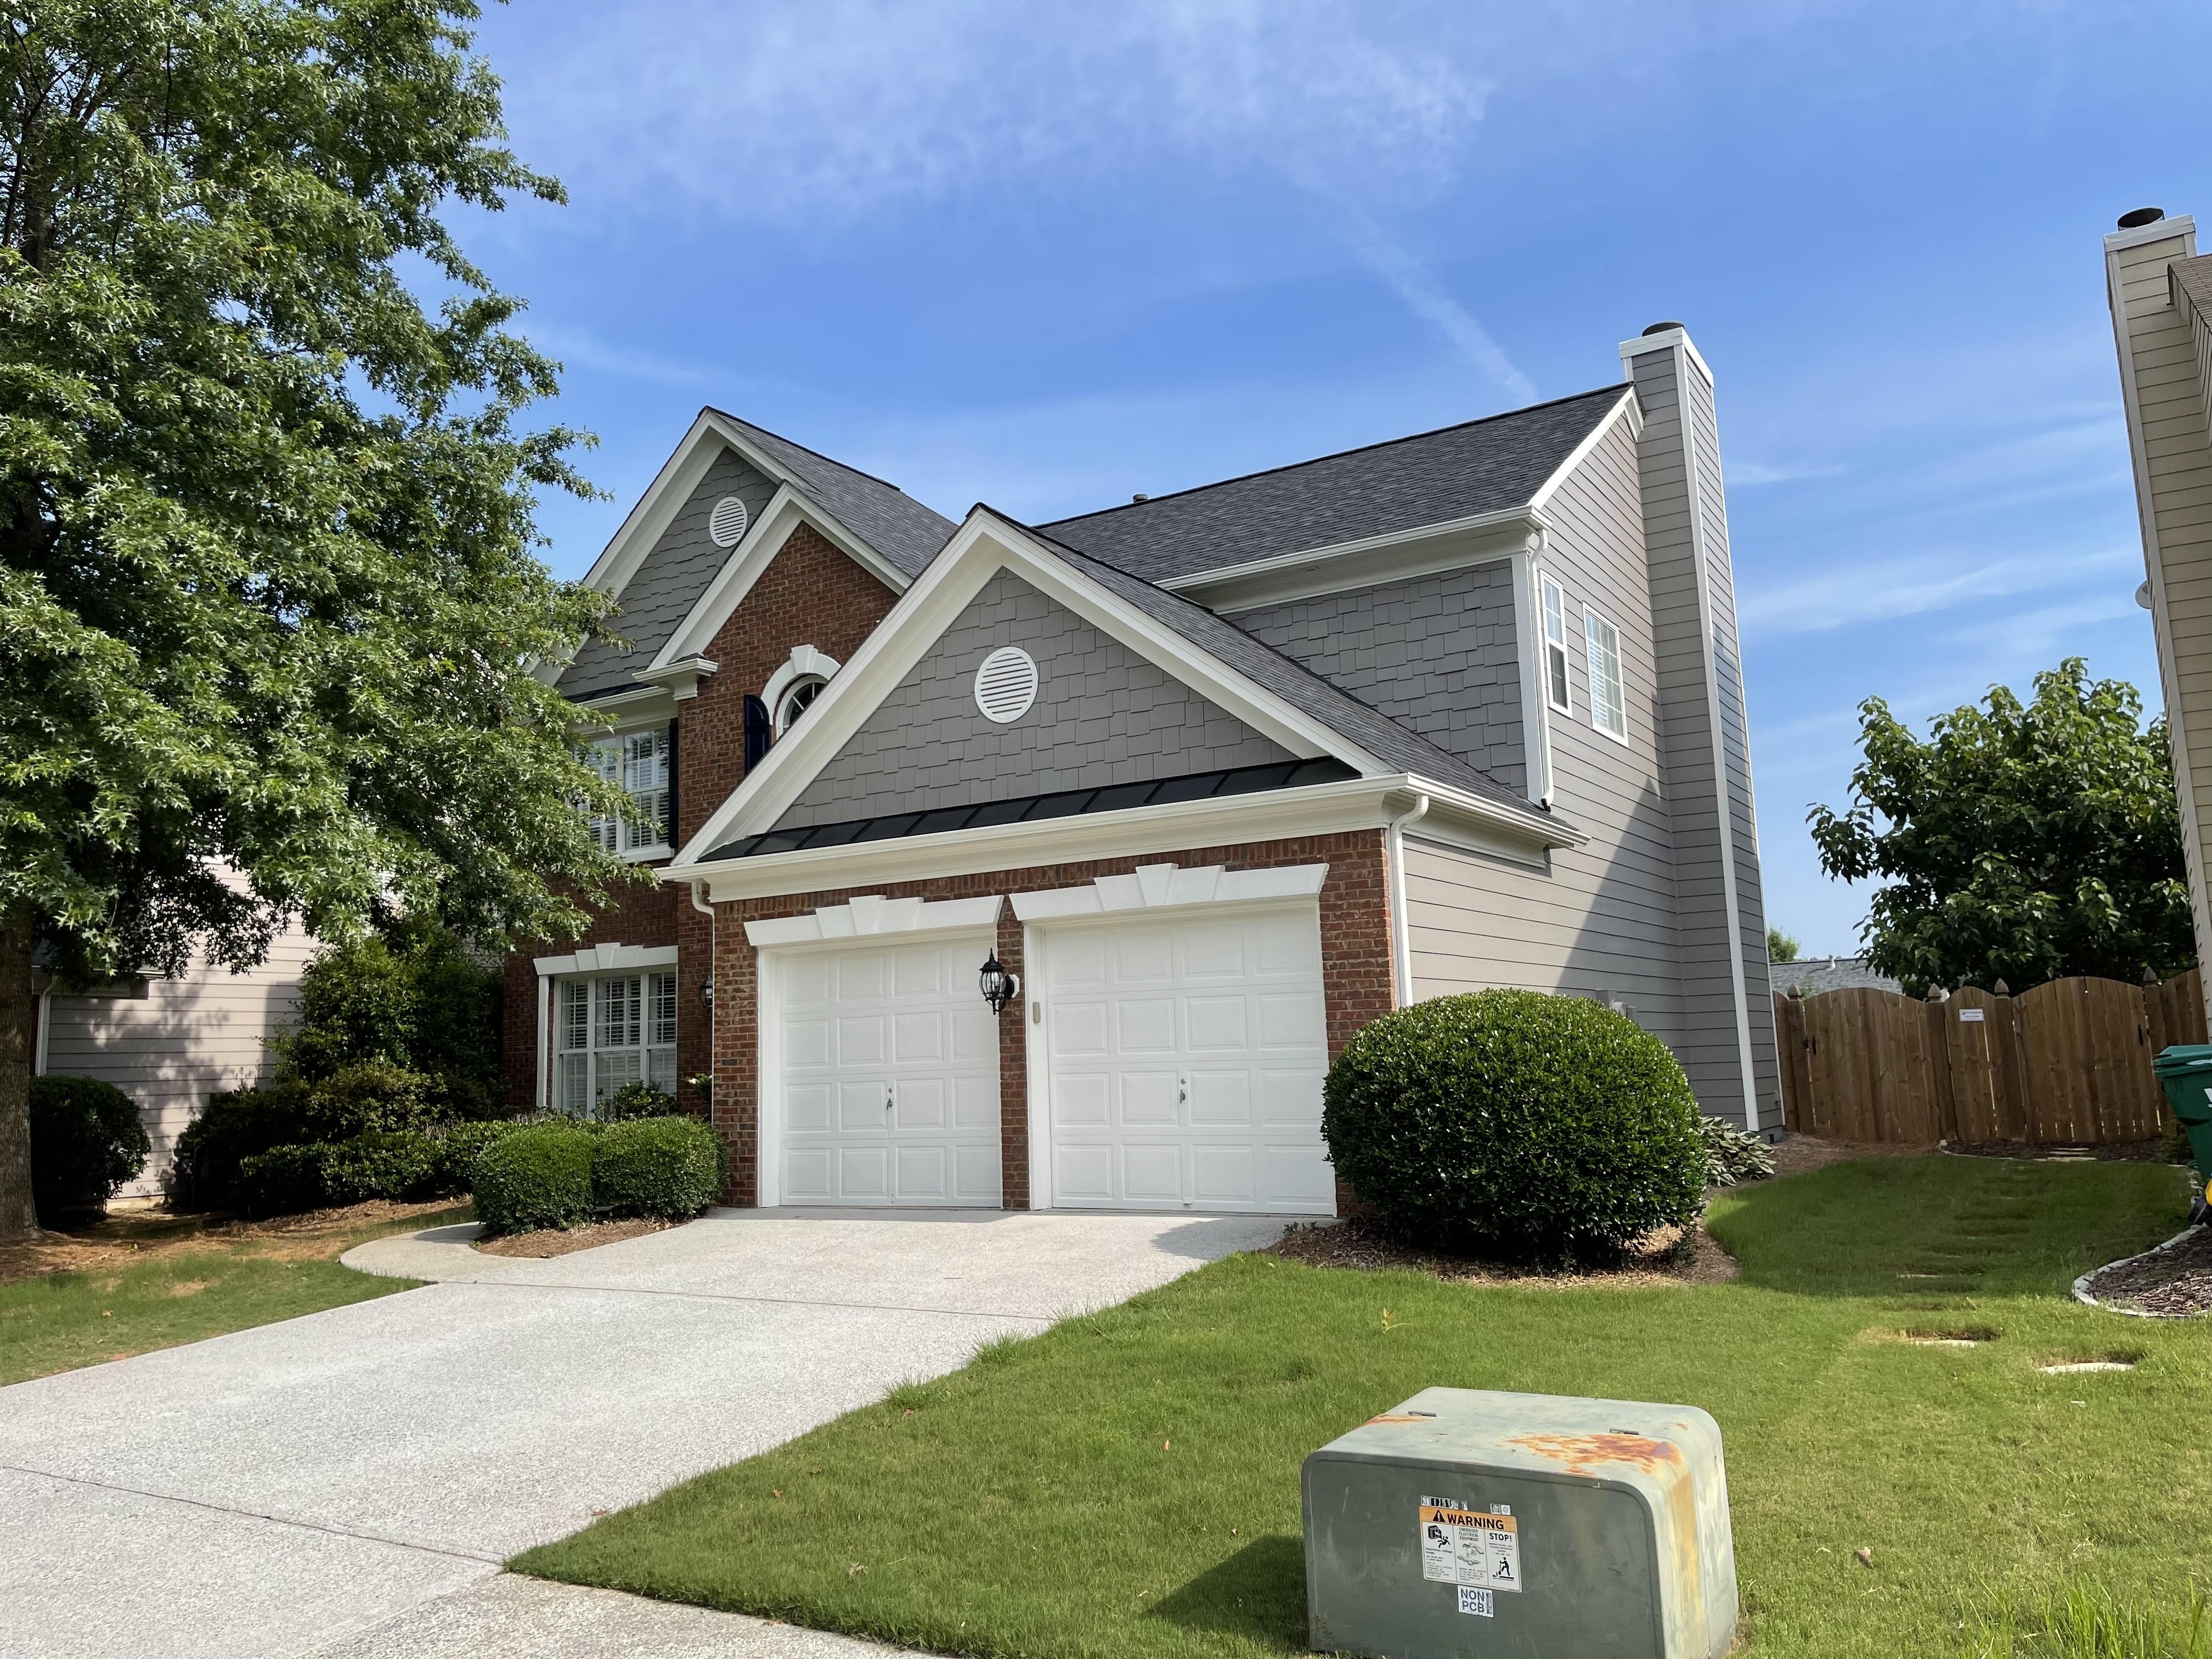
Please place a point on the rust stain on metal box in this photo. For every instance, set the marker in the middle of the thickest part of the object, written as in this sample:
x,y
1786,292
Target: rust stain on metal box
x,y
1580,1454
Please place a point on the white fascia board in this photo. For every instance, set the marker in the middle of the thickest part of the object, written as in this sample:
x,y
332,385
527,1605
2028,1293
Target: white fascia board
x,y
785,511
1400,554
1317,810
1645,345
607,959
648,705
871,917
1627,409
641,526
2158,230
984,545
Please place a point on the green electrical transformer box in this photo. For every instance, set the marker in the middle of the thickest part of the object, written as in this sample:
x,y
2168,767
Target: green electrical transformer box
x,y
1465,1524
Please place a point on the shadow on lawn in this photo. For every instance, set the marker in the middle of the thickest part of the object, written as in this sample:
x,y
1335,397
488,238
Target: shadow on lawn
x,y
1259,1593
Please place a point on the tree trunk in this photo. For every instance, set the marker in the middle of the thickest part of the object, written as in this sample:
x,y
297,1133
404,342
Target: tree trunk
x,y
18,1013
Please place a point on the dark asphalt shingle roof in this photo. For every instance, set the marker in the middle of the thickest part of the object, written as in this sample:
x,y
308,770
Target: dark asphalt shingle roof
x,y
1327,701
1482,466
903,530
2195,277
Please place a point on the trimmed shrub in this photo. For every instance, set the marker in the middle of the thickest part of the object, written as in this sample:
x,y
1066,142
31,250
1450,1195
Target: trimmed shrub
x,y
539,1175
459,1147
86,1141
1733,1155
403,1165
1514,1124
374,1098
657,1166
637,1100
284,1180
415,998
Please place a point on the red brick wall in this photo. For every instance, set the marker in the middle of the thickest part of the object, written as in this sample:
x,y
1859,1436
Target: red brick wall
x,y
1355,949
810,594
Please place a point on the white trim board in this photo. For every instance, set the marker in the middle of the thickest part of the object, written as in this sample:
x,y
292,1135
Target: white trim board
x,y
1169,886
1342,567
607,959
873,916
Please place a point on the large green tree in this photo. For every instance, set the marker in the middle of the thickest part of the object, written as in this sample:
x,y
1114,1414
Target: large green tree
x,y
2019,841
269,600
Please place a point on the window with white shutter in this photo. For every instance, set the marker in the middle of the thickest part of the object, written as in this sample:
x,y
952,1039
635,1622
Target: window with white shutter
x,y
638,764
614,1029
1608,696
1555,645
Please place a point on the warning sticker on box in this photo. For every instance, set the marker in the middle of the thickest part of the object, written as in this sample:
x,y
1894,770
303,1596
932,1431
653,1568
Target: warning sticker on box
x,y
1476,1601
1462,1547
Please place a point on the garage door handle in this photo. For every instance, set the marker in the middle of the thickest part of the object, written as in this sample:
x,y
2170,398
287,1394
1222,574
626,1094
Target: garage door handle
x,y
1182,1091
889,1097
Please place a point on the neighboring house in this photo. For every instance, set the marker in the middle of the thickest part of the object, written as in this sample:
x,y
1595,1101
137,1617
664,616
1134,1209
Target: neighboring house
x,y
1814,974
1220,776
2161,292
169,1044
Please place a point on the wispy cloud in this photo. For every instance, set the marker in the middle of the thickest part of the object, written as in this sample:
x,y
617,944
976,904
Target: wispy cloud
x,y
581,348
1418,289
1750,474
1888,590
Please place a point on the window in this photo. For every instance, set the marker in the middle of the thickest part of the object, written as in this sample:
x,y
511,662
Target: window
x,y
1608,698
796,700
1555,645
638,763
613,1030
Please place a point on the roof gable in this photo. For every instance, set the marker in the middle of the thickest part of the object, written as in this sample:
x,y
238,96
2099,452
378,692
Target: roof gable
x,y
1464,471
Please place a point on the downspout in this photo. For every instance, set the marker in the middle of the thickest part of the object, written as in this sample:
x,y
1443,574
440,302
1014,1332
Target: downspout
x,y
1402,933
708,911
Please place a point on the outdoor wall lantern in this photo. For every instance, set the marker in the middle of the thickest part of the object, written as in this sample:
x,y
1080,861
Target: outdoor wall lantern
x,y
1000,987
706,993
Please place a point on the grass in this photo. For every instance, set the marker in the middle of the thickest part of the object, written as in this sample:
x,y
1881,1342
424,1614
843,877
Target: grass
x,y
147,1281
1127,1484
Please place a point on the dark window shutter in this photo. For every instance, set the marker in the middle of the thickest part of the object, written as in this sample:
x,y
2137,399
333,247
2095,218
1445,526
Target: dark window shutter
x,y
758,733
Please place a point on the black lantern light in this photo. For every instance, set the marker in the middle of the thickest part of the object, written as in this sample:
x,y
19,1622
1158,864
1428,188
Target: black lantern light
x,y
1000,987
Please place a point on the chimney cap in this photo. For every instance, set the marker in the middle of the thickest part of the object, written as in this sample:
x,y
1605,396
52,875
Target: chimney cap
x,y
1661,328
1133,500
2140,217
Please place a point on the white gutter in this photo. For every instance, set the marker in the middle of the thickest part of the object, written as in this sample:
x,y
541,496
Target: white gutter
x,y
707,986
1402,933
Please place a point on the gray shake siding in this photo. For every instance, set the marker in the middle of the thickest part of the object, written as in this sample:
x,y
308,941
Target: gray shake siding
x,y
1599,921
1728,1041
1436,654
1102,714
668,582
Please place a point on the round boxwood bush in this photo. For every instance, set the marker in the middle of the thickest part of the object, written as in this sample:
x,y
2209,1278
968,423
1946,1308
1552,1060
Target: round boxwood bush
x,y
86,1141
1512,1124
538,1176
657,1166
459,1145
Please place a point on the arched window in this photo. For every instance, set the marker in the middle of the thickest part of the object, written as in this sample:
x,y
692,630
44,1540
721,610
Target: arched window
x,y
797,698
797,682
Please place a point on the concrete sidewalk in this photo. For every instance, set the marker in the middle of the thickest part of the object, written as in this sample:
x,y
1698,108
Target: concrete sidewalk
x,y
282,1489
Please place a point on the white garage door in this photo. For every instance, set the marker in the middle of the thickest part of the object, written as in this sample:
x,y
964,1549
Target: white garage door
x,y
1185,1058
887,1072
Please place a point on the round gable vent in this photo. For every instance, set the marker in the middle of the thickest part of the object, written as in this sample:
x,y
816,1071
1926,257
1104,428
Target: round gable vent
x,y
1006,684
726,523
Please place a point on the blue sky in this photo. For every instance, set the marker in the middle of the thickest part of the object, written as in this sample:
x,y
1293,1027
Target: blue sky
x,y
1050,255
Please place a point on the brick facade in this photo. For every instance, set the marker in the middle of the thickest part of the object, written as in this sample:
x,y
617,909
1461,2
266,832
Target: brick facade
x,y
811,593
1355,944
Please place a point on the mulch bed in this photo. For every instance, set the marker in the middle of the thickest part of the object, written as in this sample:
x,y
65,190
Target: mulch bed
x,y
2123,1152
139,1232
556,1240
2175,1283
1663,1259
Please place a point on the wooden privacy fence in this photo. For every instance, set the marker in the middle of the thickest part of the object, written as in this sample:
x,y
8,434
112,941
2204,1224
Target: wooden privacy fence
x,y
2065,1064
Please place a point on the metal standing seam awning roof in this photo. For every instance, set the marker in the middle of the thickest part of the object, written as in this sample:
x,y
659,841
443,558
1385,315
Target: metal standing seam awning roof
x,y
1026,809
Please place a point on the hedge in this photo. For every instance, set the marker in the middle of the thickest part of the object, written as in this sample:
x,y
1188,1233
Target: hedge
x,y
1513,1124
671,1167
538,1176
86,1141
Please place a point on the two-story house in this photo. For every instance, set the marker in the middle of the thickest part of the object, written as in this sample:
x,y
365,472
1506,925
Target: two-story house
x,y
1198,785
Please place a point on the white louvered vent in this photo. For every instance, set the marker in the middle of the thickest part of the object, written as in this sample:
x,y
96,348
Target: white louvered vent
x,y
1006,684
726,523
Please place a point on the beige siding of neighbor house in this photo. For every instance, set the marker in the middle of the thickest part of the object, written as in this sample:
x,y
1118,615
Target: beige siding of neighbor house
x,y
2165,362
177,1042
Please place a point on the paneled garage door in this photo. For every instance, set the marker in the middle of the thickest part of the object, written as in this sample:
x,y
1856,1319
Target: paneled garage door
x,y
887,1072
1186,1053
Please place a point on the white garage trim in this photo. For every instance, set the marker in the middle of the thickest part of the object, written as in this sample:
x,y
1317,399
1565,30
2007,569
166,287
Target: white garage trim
x,y
772,960
871,914
607,959
1156,886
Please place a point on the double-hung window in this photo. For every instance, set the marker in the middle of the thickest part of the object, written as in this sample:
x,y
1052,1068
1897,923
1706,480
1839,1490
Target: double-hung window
x,y
1608,696
615,1029
637,764
1555,645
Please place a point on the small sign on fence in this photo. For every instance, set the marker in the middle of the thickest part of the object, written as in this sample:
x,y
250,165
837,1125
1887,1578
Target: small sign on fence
x,y
1970,1016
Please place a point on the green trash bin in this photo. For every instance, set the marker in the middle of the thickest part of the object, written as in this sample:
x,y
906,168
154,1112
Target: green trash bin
x,y
2184,1071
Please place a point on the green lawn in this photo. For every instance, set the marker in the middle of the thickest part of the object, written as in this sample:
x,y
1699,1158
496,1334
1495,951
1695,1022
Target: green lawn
x,y
181,1284
1127,1484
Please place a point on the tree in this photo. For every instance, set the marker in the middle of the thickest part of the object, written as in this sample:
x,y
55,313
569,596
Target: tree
x,y
1780,947
268,598
2020,841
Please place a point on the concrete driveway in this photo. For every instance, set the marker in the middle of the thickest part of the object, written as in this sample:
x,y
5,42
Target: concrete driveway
x,y
286,1489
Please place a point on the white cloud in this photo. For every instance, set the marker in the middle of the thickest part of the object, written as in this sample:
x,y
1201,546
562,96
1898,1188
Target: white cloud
x,y
1417,287
1885,590
1751,474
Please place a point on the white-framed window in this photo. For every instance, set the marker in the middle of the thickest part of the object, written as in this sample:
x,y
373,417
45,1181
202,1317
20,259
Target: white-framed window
x,y
1608,696
637,761
1555,646
798,697
612,1030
